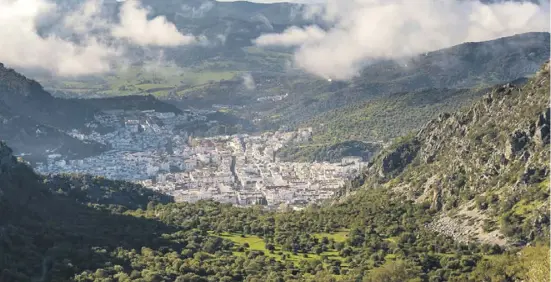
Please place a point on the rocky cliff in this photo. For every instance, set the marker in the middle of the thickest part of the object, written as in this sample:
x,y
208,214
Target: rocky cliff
x,y
485,168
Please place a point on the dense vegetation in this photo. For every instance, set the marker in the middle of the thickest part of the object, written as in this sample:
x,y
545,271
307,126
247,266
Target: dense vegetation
x,y
328,153
131,103
391,116
376,120
218,123
371,237
488,163
88,189
81,228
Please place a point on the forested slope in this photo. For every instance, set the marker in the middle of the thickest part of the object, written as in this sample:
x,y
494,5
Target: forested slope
x,y
489,163
377,120
486,167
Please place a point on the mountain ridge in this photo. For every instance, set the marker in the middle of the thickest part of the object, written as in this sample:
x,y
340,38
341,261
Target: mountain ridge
x,y
495,151
35,123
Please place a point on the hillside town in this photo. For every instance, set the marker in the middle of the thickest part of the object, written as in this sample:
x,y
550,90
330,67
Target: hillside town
x,y
155,150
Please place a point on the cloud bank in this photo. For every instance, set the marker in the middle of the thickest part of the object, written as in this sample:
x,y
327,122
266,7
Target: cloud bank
x,y
389,29
83,41
248,81
293,36
135,27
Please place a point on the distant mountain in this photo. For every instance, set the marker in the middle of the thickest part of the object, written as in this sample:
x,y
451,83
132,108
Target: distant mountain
x,y
35,123
201,11
465,66
228,26
387,117
468,65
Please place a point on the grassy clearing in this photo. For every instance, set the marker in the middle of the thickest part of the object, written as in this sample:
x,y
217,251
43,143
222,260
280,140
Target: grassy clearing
x,y
255,242
258,244
202,77
137,80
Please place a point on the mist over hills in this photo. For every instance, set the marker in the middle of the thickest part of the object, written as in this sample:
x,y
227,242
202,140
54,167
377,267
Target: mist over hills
x,y
230,35
457,135
468,65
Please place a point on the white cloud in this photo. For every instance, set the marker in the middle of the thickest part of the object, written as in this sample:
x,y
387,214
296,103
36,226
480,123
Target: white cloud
x,y
193,12
135,27
87,18
248,81
368,29
264,20
80,41
22,46
293,36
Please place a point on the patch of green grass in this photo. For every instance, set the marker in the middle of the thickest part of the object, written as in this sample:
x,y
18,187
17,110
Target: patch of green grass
x,y
255,242
148,86
266,53
522,207
258,244
137,80
205,76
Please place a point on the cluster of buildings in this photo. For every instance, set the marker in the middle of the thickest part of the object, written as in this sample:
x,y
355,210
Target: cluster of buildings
x,y
242,169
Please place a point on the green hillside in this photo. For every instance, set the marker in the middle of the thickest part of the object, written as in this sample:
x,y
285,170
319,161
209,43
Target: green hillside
x,y
377,121
484,167
391,116
488,163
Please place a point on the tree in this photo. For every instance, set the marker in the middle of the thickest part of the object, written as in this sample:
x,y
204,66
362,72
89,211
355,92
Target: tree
x,y
318,250
393,271
212,245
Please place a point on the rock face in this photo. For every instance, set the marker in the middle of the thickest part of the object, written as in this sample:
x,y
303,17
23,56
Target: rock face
x,y
396,161
542,128
498,147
